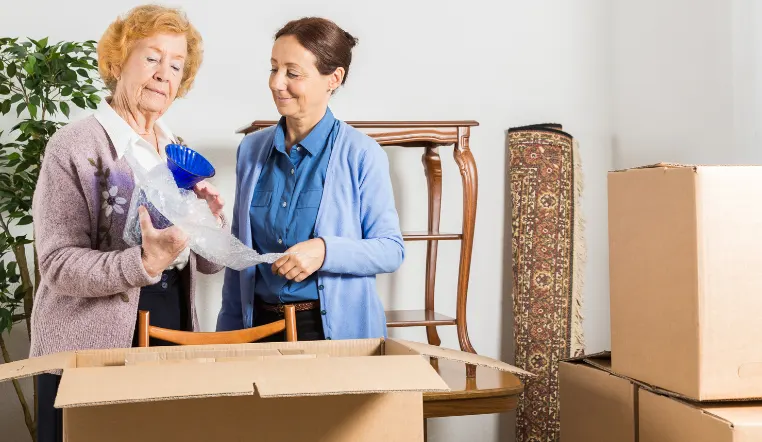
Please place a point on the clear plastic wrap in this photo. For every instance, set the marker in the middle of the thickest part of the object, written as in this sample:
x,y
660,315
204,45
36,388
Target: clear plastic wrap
x,y
169,205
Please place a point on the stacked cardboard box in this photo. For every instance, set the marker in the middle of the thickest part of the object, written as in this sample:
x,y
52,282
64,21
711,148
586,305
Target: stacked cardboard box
x,y
685,251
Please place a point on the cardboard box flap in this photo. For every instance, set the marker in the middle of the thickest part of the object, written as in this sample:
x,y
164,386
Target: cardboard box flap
x,y
141,383
272,377
37,365
356,375
738,414
400,346
601,363
694,167
606,354
663,165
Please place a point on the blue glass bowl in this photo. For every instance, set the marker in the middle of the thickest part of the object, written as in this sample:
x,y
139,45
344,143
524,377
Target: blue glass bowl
x,y
188,166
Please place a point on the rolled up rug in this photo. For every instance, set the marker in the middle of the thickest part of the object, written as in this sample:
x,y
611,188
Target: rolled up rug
x,y
548,267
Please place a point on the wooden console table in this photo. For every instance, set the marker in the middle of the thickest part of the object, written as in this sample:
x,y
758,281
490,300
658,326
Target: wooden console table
x,y
490,391
430,135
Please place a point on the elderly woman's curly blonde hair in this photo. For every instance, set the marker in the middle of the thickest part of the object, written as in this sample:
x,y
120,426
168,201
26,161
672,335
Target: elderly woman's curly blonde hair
x,y
144,21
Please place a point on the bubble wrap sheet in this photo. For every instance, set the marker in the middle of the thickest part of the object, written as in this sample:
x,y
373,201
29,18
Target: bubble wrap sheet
x,y
169,205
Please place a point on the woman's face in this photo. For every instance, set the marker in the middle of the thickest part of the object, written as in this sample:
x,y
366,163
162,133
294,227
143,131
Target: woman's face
x,y
298,88
151,75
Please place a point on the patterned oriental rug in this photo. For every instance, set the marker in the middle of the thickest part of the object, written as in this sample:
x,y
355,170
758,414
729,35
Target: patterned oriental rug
x,y
548,266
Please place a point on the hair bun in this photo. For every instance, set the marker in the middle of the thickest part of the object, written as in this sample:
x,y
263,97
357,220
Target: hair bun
x,y
352,40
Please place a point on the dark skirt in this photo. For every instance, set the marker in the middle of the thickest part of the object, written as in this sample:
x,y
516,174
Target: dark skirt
x,y
167,301
168,304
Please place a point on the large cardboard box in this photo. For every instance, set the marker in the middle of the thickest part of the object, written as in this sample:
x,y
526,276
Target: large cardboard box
x,y
352,390
666,419
595,404
686,278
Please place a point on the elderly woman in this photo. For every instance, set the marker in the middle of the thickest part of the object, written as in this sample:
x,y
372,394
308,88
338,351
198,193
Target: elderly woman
x,y
93,283
318,189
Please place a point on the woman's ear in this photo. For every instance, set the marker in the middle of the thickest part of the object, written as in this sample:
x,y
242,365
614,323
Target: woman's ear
x,y
336,78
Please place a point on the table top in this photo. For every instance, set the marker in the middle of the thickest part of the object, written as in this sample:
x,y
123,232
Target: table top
x,y
491,391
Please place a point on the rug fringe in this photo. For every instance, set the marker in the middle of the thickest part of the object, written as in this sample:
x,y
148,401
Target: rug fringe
x,y
579,258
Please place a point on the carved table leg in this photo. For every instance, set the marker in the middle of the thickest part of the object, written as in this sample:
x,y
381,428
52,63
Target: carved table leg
x,y
467,166
432,165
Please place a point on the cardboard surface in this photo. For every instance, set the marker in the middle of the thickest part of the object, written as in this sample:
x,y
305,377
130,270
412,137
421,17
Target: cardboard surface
x,y
596,405
400,346
665,419
684,256
371,418
33,366
275,377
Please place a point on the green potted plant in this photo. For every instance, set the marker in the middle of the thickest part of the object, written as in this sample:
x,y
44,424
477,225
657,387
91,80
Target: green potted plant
x,y
39,82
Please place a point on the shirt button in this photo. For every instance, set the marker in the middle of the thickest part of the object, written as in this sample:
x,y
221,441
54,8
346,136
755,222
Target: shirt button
x,y
292,171
283,204
322,312
320,287
280,241
328,339
164,285
298,148
124,297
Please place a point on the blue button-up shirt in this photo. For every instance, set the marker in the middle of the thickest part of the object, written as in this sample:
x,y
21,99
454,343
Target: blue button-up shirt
x,y
285,205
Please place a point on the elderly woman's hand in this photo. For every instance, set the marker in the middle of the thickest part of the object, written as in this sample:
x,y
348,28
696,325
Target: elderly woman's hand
x,y
208,192
160,247
303,260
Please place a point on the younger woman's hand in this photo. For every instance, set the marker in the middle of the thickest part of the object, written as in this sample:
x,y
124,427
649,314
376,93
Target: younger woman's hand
x,y
303,260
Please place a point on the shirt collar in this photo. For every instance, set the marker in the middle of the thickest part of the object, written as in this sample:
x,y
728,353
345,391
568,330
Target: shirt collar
x,y
120,132
314,142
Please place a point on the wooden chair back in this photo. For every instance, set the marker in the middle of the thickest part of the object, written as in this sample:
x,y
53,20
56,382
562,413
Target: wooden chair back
x,y
253,334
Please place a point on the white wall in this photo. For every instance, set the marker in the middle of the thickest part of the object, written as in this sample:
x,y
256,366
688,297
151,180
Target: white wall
x,y
503,64
687,82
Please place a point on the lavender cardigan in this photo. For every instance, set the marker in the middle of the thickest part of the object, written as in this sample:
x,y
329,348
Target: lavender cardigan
x,y
91,278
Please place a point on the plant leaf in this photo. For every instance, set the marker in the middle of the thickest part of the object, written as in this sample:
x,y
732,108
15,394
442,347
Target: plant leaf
x,y
29,65
32,110
4,90
25,220
20,108
11,70
64,108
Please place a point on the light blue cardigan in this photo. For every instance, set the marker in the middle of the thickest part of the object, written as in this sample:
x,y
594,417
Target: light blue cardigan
x,y
358,221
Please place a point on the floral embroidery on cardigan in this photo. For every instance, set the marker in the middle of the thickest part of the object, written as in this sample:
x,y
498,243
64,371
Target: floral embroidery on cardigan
x,y
111,201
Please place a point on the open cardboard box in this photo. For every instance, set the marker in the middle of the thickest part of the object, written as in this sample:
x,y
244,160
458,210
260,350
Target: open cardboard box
x,y
343,390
